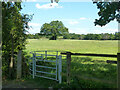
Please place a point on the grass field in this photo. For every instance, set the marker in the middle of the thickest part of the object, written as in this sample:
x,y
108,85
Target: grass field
x,y
85,71
84,46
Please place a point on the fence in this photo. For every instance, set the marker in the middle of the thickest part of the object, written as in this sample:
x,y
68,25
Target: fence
x,y
42,59
98,55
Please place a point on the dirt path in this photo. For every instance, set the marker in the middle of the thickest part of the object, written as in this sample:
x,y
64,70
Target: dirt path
x,y
21,84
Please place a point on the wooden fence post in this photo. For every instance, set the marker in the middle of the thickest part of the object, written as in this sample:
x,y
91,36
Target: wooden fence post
x,y
19,64
118,71
45,55
68,67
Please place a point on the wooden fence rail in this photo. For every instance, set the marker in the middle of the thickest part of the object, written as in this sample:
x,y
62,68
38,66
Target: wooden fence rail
x,y
98,55
88,54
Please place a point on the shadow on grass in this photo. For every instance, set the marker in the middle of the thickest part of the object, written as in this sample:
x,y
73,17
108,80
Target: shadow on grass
x,y
85,73
89,73
92,73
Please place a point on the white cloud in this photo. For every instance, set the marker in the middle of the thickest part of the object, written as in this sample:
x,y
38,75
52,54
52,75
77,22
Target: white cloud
x,y
31,0
73,22
111,30
48,6
69,21
67,0
97,30
62,0
78,30
34,24
83,18
34,30
104,30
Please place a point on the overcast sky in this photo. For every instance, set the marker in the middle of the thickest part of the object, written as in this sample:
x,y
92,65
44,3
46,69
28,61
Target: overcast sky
x,y
78,17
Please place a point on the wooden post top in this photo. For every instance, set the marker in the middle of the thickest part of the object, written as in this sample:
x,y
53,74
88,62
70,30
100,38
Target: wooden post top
x,y
118,53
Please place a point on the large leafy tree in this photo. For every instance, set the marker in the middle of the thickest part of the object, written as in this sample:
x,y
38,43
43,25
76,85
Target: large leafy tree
x,y
108,11
14,26
54,28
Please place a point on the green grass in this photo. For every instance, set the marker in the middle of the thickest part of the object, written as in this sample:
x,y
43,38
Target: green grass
x,y
89,72
82,46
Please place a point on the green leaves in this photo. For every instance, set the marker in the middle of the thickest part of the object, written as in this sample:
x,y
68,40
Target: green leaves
x,y
54,28
14,25
108,12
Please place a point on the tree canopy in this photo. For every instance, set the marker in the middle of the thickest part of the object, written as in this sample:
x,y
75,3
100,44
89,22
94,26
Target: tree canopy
x,y
14,25
54,28
108,11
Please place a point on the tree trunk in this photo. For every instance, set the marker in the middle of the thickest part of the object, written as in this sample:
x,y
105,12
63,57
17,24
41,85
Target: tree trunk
x,y
55,37
19,64
11,66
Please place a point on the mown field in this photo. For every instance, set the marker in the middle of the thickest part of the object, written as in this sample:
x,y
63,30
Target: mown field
x,y
83,46
86,72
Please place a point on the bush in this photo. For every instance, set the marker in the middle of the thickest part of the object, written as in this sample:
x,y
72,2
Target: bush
x,y
66,36
53,38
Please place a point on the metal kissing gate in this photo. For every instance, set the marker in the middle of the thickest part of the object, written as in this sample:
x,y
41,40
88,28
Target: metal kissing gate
x,y
46,65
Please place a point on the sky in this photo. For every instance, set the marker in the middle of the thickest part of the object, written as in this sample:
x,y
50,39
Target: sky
x,y
78,17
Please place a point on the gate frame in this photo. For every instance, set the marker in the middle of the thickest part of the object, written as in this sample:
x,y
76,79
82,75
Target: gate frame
x,y
58,65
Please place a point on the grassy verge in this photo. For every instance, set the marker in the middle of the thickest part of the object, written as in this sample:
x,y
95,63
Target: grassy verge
x,y
86,72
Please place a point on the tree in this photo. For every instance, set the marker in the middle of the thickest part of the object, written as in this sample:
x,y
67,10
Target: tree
x,y
66,36
81,37
74,36
117,35
54,29
108,12
112,37
98,37
105,36
14,26
90,37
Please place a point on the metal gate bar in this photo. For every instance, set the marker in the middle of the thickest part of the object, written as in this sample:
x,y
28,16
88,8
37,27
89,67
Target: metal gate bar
x,y
46,77
46,60
45,72
46,67
58,67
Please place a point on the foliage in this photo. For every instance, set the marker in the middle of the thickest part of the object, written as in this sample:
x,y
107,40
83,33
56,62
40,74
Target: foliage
x,y
36,36
13,35
54,29
67,36
108,12
102,36
74,36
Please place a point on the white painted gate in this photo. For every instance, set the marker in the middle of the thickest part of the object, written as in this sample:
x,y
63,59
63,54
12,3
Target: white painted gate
x,y
46,65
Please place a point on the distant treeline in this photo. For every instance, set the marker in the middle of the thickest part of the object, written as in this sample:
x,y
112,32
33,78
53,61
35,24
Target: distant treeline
x,y
102,36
